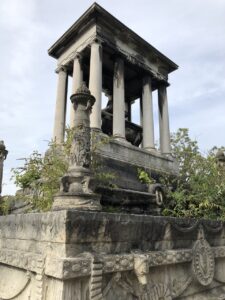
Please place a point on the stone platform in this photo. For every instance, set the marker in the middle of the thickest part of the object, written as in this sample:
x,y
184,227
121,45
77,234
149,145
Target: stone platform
x,y
88,255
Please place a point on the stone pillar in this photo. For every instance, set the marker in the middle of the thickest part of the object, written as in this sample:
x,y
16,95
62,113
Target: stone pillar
x,y
77,82
118,100
147,115
60,109
164,129
75,189
95,83
3,155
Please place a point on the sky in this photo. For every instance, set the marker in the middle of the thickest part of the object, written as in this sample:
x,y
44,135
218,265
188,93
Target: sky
x,y
189,32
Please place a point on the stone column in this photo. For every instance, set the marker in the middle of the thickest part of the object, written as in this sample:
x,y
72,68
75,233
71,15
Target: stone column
x,y
77,82
164,129
95,83
3,155
147,115
75,191
118,100
60,109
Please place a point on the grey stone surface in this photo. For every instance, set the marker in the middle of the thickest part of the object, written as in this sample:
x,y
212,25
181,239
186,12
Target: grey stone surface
x,y
90,255
127,155
117,61
75,191
80,253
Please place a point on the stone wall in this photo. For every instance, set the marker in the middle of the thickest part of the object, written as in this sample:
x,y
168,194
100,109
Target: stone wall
x,y
89,255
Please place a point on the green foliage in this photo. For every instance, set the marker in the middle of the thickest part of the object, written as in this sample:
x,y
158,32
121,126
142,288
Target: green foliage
x,y
144,177
30,172
5,203
40,175
199,191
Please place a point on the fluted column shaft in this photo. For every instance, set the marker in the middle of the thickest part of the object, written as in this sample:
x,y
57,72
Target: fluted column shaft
x,y
164,129
95,83
147,115
77,82
60,109
118,99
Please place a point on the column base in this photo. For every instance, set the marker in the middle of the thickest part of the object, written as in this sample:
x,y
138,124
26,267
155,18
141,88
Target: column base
x,y
168,155
96,129
150,149
79,201
120,139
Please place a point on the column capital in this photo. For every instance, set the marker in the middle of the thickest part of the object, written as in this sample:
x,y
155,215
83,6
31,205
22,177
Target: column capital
x,y
97,40
61,68
163,84
77,55
147,79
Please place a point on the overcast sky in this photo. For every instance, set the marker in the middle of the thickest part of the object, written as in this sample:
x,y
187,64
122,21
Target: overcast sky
x,y
190,32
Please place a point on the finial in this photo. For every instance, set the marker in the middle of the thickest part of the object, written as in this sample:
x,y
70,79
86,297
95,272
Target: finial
x,y
83,89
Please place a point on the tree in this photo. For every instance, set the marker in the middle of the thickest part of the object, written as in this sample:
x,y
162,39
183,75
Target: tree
x,y
199,190
40,176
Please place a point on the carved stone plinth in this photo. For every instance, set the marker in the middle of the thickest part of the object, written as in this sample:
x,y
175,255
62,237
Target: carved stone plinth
x,y
86,255
75,191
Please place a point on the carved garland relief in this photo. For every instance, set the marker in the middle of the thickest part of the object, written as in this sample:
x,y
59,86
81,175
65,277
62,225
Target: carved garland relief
x,y
132,272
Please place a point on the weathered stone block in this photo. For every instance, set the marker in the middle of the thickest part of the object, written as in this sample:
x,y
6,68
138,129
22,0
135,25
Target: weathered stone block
x,y
71,254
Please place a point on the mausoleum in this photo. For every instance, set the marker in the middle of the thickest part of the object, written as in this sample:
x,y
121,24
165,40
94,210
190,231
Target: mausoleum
x,y
113,60
81,249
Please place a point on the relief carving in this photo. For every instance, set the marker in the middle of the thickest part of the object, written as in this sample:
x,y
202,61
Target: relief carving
x,y
96,279
141,268
203,262
158,291
80,150
126,287
179,286
21,282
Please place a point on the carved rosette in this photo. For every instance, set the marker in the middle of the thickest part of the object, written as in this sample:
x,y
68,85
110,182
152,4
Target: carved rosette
x,y
203,262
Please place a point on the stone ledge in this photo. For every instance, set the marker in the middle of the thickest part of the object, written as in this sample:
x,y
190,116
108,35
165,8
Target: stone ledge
x,y
23,260
68,268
